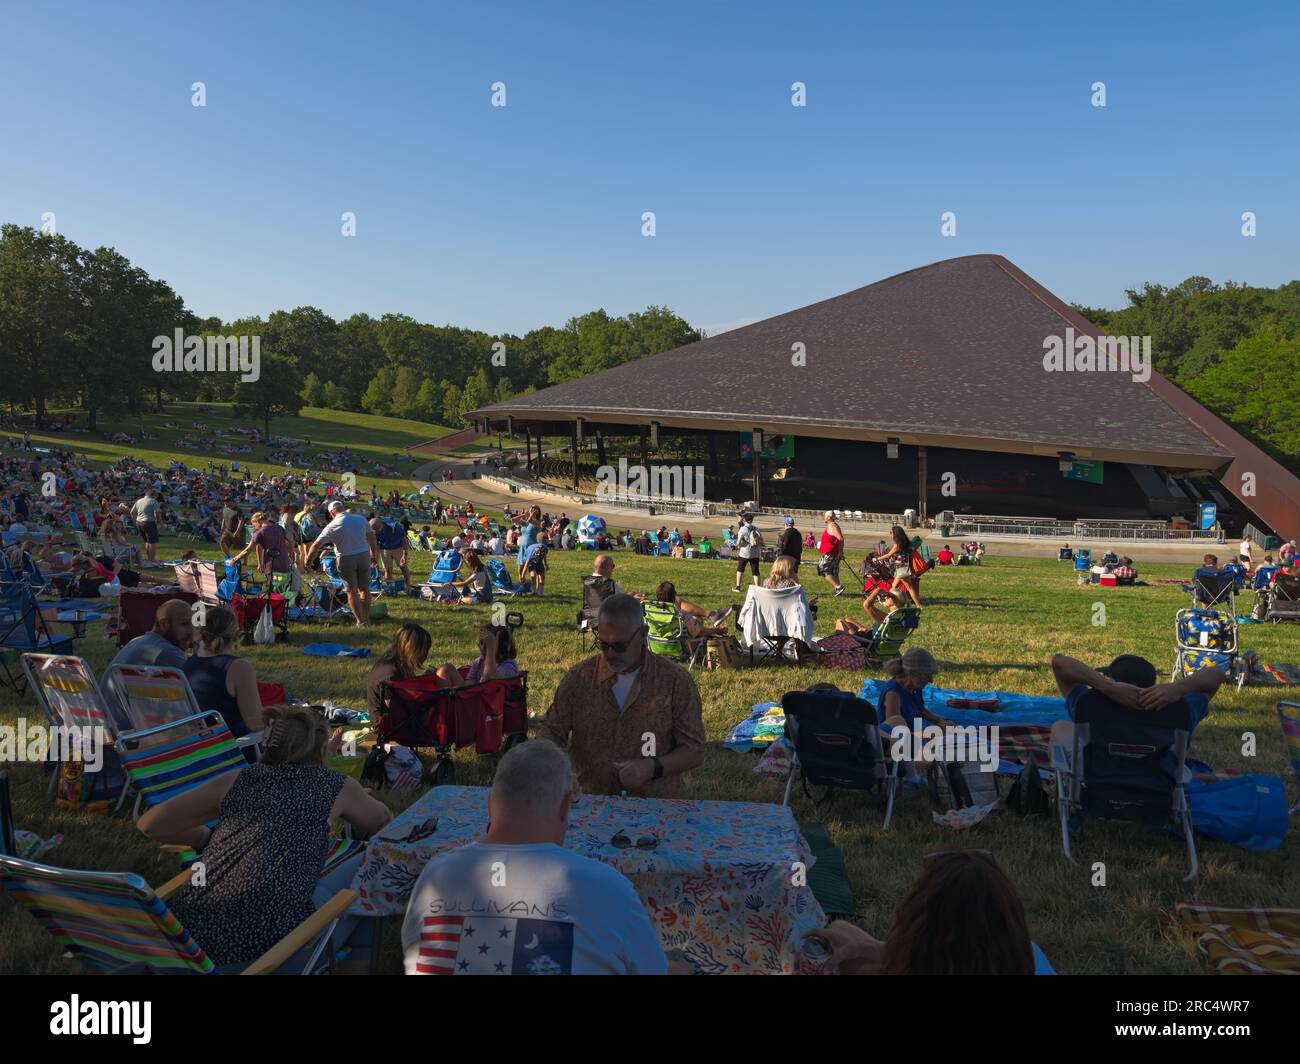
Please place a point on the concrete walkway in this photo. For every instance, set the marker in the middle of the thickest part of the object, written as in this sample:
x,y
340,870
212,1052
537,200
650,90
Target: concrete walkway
x,y
857,535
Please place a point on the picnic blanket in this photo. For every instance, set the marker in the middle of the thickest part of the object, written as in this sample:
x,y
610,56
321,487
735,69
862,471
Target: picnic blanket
x,y
336,650
1244,941
1269,674
764,725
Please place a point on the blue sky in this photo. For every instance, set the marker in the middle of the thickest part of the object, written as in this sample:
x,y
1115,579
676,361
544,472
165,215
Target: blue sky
x,y
508,218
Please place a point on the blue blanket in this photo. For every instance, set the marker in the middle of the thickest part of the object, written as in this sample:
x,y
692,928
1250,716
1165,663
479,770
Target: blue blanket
x,y
1247,811
336,650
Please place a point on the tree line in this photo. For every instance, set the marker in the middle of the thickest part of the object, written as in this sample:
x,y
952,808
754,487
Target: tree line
x,y
1234,348
77,329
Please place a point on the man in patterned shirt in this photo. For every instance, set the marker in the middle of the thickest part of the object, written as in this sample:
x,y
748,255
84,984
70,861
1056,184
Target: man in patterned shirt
x,y
630,719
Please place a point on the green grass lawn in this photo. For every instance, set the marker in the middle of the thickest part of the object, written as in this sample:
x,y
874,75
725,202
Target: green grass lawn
x,y
995,626
372,440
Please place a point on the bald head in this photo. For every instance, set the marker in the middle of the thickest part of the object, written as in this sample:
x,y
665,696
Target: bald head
x,y
174,622
603,565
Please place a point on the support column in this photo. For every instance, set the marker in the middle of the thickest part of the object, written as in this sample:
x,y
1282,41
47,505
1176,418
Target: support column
x,y
600,449
757,442
921,464
645,456
528,450
573,443
713,454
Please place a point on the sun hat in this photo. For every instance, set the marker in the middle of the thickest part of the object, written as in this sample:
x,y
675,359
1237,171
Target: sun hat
x,y
920,660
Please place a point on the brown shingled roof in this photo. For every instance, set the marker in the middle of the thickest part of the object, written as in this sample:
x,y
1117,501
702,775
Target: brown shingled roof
x,y
949,354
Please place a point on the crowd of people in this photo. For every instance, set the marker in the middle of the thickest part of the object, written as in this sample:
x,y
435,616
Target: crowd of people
x,y
624,721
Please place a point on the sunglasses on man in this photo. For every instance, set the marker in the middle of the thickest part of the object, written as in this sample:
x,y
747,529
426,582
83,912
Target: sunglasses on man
x,y
620,647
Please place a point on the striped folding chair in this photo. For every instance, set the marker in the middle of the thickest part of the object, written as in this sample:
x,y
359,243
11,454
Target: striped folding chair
x,y
115,923
887,638
1289,714
66,689
148,696
170,759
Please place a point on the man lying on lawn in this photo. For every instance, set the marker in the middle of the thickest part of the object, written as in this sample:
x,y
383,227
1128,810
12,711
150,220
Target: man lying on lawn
x,y
629,718
1130,681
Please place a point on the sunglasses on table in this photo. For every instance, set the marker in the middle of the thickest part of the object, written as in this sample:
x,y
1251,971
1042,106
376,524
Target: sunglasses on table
x,y
621,841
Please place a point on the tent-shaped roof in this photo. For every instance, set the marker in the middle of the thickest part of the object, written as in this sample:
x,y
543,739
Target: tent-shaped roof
x,y
947,355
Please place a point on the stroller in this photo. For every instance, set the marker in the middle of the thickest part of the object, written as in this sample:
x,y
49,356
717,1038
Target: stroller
x,y
1207,638
492,716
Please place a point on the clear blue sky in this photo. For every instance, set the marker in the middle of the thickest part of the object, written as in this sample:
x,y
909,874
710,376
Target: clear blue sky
x,y
509,218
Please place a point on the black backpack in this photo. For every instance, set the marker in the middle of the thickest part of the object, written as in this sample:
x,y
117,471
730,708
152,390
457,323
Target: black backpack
x,y
1028,796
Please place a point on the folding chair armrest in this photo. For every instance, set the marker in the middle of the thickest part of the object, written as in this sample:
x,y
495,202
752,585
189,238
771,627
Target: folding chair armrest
x,y
302,935
251,739
1060,759
177,881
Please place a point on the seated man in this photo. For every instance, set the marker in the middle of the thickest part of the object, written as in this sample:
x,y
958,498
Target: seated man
x,y
1131,682
631,718
552,911
603,565
946,557
1110,558
166,643
1124,571
1209,567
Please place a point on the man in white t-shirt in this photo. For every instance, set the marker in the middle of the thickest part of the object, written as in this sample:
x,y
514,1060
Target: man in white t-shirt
x,y
1244,552
518,903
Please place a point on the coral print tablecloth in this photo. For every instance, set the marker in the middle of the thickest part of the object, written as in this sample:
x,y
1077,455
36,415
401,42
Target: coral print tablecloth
x,y
720,886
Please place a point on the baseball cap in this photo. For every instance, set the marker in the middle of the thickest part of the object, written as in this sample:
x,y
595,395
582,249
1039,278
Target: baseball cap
x,y
335,505
1131,669
789,520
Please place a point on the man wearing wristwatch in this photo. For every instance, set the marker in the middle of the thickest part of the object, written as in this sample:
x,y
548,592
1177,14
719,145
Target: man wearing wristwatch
x,y
630,719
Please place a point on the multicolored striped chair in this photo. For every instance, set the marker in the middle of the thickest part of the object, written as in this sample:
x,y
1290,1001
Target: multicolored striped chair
x,y
152,695
169,759
1289,714
115,923
65,687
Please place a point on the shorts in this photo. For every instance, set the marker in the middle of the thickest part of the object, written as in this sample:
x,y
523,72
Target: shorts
x,y
829,565
397,555
354,570
149,530
742,562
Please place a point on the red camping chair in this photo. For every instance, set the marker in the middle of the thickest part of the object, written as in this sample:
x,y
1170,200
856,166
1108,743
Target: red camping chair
x,y
137,607
248,610
417,713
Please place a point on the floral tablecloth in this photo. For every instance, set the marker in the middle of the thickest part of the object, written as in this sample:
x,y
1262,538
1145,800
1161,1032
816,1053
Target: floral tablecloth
x,y
726,884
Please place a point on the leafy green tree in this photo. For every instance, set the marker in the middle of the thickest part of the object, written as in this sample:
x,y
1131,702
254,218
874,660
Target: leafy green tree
x,y
406,393
313,391
1255,387
332,397
428,401
275,393
379,394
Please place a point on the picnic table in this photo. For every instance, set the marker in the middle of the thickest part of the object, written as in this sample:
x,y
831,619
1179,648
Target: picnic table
x,y
720,885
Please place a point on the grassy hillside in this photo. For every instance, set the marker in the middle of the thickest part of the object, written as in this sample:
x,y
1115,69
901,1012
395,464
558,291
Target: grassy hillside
x,y
994,627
